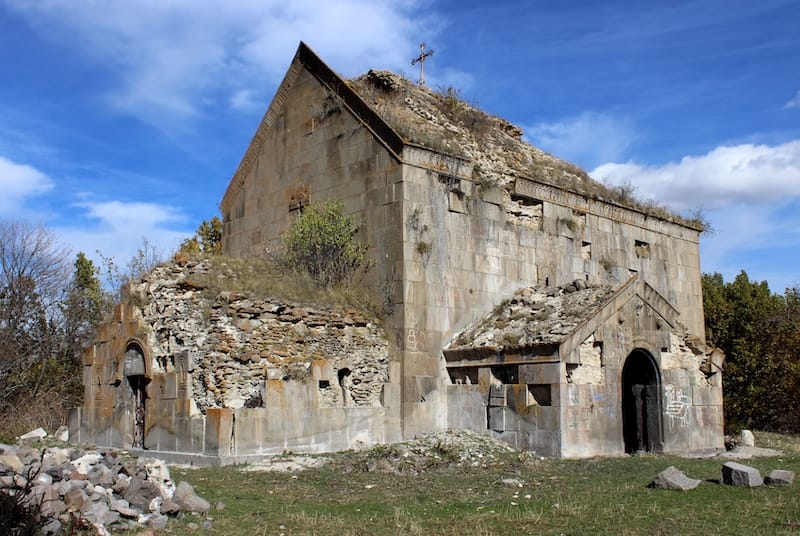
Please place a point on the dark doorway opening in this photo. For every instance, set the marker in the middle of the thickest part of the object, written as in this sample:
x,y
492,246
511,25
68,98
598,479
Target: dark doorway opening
x,y
137,381
641,403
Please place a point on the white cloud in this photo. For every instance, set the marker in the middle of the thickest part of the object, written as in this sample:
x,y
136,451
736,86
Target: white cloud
x,y
245,99
793,102
19,182
118,216
118,229
763,240
171,57
751,195
587,139
748,174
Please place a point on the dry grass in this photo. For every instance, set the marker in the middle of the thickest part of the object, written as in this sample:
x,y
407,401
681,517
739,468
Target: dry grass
x,y
419,114
263,279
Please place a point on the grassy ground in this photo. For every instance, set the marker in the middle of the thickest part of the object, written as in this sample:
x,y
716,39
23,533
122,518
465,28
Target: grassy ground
x,y
597,496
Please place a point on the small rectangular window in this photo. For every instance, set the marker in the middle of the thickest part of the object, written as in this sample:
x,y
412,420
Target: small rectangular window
x,y
542,393
586,251
642,249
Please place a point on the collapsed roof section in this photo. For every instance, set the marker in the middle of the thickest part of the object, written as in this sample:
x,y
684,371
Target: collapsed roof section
x,y
548,322
401,113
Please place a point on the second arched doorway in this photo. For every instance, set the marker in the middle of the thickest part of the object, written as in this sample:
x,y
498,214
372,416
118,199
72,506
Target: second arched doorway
x,y
641,403
135,373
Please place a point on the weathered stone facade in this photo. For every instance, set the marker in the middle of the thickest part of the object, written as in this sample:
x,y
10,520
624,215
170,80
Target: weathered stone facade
x,y
223,374
559,375
459,214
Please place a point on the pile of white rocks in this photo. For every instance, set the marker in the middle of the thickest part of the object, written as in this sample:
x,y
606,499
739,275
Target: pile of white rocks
x,y
434,451
103,489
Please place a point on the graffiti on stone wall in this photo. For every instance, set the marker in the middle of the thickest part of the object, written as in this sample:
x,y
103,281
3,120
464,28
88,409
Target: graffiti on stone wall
x,y
574,398
677,406
579,419
572,420
98,391
415,340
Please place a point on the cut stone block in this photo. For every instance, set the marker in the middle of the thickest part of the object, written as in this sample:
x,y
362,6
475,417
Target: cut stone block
x,y
33,436
62,434
779,477
673,478
737,474
747,438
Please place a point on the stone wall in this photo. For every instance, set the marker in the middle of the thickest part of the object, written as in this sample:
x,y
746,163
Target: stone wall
x,y
546,371
468,245
237,342
230,374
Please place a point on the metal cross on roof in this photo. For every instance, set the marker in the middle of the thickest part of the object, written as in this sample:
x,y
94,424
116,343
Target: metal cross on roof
x,y
421,60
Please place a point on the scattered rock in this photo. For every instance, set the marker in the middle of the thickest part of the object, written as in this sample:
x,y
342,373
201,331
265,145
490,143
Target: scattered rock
x,y
747,439
62,434
32,436
779,477
737,474
188,500
673,478
52,527
745,453
511,482
157,522
12,462
170,507
427,452
94,489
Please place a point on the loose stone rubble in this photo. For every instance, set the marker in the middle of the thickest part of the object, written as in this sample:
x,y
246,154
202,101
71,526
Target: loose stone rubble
x,y
536,315
779,477
245,340
440,450
673,478
747,439
737,474
104,489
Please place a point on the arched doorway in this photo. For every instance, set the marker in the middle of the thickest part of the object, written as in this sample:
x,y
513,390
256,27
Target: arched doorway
x,y
641,403
137,381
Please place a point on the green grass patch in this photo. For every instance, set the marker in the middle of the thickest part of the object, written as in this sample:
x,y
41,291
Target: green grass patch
x,y
596,496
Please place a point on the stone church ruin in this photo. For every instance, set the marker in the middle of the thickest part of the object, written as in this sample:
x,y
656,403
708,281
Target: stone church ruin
x,y
525,300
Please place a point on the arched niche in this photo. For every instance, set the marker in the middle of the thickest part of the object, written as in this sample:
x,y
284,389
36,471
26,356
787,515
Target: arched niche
x,y
135,372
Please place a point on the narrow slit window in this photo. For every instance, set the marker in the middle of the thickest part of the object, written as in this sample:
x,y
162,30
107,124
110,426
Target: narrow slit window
x,y
642,249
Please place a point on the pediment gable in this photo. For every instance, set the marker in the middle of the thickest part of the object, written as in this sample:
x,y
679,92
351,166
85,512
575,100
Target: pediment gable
x,y
306,59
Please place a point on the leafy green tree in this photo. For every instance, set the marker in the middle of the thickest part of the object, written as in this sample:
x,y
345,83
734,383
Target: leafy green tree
x,y
85,304
322,242
760,335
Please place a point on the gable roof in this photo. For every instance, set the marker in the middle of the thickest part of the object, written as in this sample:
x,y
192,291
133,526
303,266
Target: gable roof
x,y
400,113
305,58
548,321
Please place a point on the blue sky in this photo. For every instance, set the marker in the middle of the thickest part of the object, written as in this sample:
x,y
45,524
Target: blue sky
x,y
125,120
